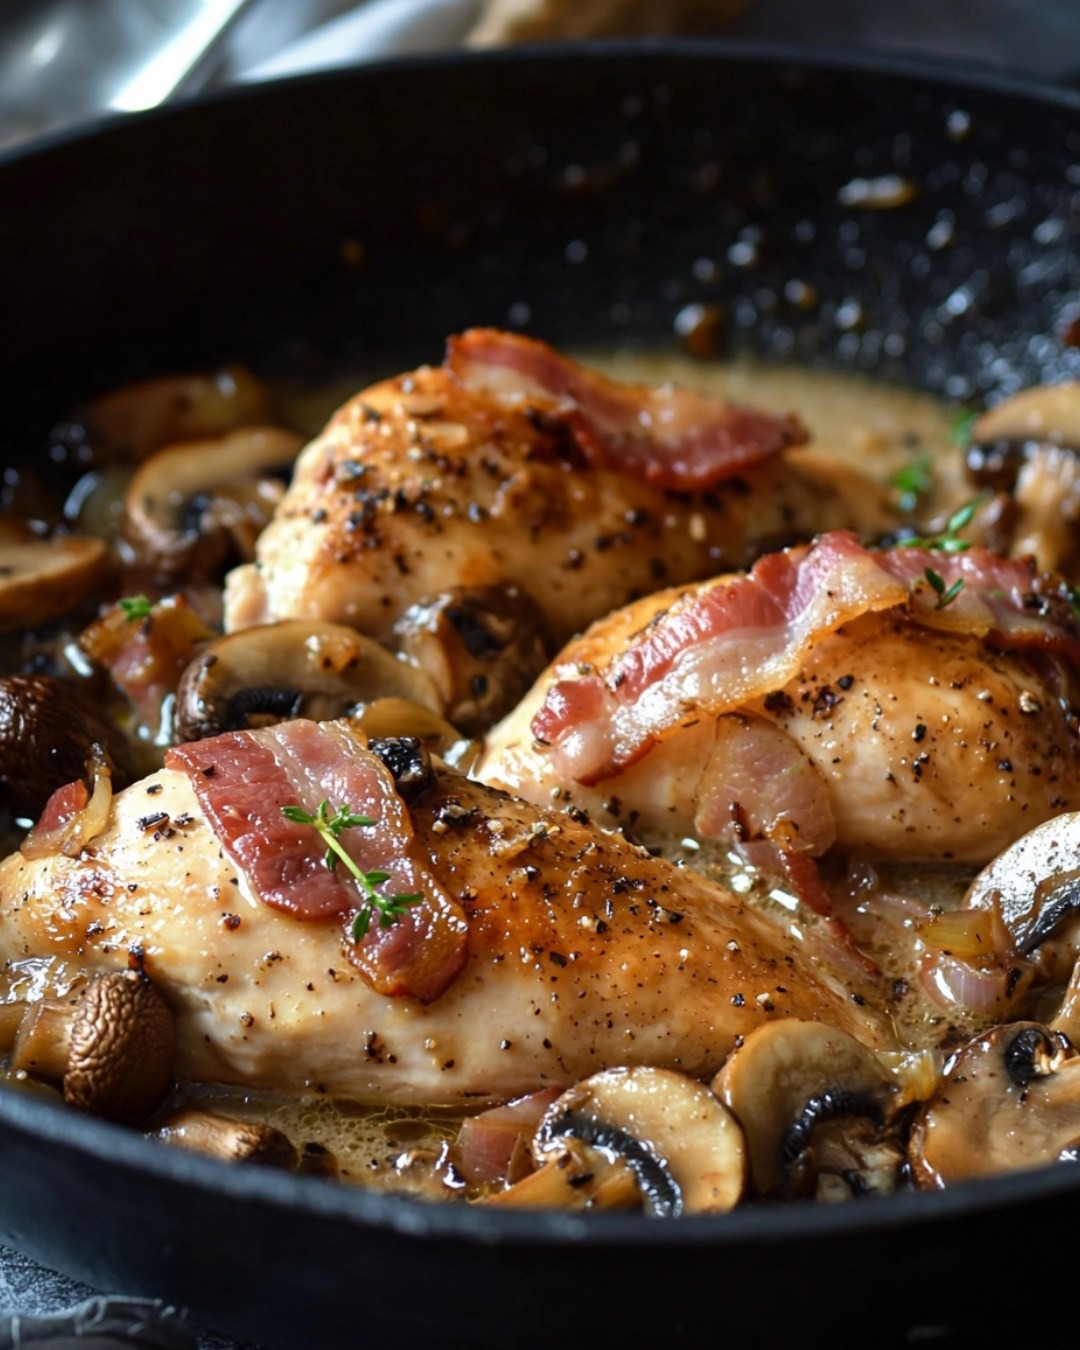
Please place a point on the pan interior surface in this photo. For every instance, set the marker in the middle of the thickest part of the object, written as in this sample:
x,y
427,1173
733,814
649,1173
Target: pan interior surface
x,y
592,198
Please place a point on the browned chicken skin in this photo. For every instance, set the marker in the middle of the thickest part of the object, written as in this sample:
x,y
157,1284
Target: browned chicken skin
x,y
418,484
583,952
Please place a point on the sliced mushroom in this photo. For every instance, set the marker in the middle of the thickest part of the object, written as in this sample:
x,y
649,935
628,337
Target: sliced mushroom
x,y
482,646
131,422
1008,1100
42,577
48,734
1049,412
1028,447
815,1105
248,1141
1034,888
195,506
683,1147
113,1047
294,668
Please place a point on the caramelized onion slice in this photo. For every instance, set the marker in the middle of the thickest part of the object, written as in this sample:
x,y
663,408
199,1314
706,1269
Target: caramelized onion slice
x,y
73,816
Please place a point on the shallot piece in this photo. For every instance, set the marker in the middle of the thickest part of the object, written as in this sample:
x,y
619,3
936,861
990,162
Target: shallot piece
x,y
73,815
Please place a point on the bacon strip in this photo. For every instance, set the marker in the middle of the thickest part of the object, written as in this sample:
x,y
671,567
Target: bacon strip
x,y
241,789
741,637
673,438
1002,599
760,785
715,648
244,779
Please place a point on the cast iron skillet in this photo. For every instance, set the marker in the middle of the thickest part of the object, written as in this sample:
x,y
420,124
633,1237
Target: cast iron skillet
x,y
589,196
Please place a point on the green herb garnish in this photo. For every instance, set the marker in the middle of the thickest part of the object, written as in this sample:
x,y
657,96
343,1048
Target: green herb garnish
x,y
330,824
135,607
960,431
913,480
949,541
937,585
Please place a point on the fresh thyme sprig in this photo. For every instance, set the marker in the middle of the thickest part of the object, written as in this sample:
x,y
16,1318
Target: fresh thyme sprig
x,y
135,607
330,823
937,585
949,540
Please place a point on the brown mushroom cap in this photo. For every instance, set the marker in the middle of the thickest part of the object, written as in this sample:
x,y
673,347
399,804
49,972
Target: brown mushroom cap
x,y
123,1048
190,506
48,731
1008,1100
1048,412
482,646
40,578
134,420
1027,450
249,1141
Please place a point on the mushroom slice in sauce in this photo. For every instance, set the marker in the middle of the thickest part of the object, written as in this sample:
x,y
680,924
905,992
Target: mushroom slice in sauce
x,y
1008,1100
192,507
1029,448
683,1148
293,668
134,420
249,1141
482,646
41,577
1034,888
114,1047
815,1106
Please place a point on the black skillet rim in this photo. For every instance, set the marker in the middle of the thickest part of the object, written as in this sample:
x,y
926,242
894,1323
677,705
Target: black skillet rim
x,y
99,1142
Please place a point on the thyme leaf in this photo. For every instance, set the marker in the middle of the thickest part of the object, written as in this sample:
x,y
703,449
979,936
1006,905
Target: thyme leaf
x,y
135,607
937,585
331,822
949,539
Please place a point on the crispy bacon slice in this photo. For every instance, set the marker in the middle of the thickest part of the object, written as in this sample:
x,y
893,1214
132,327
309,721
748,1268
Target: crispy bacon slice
x,y
742,637
671,437
1002,599
715,648
244,779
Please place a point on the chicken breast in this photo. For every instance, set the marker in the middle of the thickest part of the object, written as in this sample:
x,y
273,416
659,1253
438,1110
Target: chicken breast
x,y
581,952
435,480
758,711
